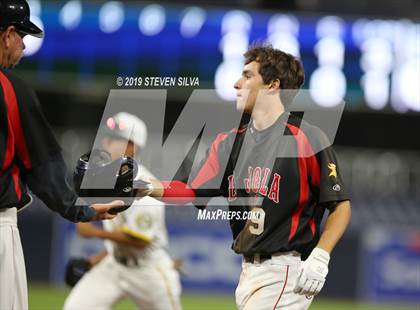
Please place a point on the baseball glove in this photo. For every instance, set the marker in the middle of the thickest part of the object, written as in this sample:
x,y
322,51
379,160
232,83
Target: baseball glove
x,y
104,177
75,270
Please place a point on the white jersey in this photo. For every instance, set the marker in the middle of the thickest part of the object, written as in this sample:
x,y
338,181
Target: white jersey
x,y
145,220
151,282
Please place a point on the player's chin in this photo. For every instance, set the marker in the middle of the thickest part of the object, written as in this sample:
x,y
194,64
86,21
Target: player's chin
x,y
13,65
240,104
244,107
16,60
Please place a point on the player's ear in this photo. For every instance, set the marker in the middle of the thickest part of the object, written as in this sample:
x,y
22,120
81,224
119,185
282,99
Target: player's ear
x,y
274,85
3,38
6,36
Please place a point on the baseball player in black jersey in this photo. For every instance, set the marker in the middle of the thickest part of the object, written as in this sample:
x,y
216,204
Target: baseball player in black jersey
x,y
29,157
285,255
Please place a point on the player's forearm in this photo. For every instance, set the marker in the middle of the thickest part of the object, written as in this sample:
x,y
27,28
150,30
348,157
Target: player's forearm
x,y
87,230
335,226
121,238
49,182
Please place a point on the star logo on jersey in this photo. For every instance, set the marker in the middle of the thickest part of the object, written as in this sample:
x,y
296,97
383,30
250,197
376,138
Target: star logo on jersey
x,y
333,170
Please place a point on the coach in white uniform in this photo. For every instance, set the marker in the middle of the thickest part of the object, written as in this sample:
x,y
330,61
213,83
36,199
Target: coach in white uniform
x,y
136,264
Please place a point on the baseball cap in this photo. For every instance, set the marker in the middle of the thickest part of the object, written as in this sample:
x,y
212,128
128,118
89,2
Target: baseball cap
x,y
127,126
16,13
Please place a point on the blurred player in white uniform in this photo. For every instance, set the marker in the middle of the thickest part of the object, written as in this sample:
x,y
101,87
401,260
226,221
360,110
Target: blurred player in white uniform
x,y
135,264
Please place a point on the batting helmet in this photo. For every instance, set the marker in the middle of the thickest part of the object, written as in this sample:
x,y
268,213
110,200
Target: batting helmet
x,y
98,172
127,126
16,13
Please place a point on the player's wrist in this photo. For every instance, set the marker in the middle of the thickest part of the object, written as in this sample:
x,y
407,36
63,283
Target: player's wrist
x,y
158,188
88,214
144,186
313,273
321,255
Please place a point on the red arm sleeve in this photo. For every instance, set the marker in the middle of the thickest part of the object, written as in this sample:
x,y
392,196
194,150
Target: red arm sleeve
x,y
206,182
177,192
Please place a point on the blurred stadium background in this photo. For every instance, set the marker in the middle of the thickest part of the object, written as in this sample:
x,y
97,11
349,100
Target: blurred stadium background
x,y
366,52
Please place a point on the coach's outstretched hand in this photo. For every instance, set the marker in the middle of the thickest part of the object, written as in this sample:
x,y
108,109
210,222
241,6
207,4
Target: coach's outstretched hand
x,y
103,210
312,273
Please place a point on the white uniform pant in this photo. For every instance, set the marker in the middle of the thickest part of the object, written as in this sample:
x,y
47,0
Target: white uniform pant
x,y
269,285
13,286
154,286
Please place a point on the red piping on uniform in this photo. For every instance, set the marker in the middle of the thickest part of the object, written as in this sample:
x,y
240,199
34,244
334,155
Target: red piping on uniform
x,y
308,165
180,193
312,225
10,148
211,167
14,116
282,290
15,176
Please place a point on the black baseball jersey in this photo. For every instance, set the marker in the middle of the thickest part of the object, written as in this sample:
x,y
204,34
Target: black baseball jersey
x,y
30,155
290,193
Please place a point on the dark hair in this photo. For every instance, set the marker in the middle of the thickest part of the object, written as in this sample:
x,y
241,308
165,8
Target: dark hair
x,y
278,65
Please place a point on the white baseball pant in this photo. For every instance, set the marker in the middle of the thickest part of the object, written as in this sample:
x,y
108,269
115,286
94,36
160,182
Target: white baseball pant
x,y
268,285
13,286
155,286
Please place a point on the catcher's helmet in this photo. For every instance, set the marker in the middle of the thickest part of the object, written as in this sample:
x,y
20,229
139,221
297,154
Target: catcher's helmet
x,y
16,13
101,173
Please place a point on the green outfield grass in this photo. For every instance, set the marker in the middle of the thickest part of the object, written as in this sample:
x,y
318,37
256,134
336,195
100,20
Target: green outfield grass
x,y
43,297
